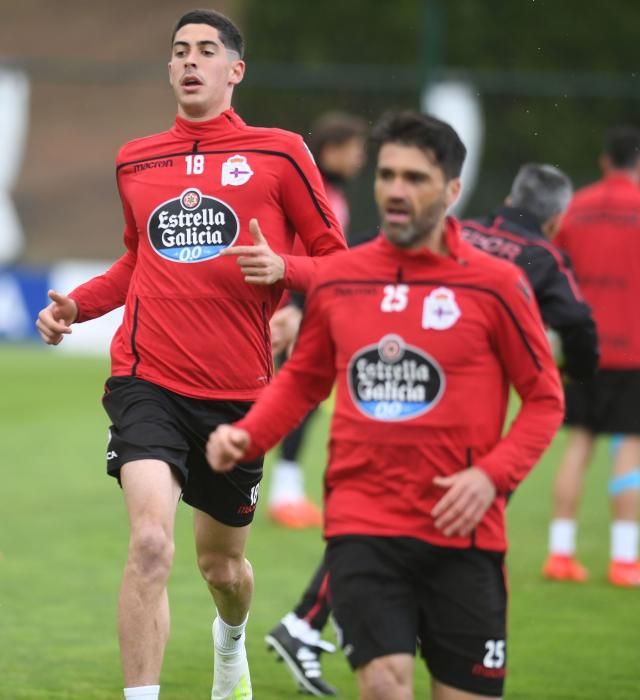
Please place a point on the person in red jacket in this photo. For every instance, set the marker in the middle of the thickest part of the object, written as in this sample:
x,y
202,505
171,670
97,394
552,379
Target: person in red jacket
x,y
601,234
194,349
519,231
423,336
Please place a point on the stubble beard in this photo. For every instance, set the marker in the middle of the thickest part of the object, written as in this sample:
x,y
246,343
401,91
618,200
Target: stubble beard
x,y
419,231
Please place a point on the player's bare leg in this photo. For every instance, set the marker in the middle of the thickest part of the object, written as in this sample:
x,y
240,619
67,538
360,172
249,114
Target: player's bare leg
x,y
220,549
387,678
561,563
570,476
151,494
624,569
440,691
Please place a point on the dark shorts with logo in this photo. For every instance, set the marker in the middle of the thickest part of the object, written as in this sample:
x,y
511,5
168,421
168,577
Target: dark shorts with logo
x,y
149,422
609,402
391,595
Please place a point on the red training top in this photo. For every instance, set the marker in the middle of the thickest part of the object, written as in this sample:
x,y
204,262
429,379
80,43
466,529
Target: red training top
x,y
191,323
601,234
424,348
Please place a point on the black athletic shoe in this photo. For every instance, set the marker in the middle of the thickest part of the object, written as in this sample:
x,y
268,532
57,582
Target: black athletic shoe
x,y
302,659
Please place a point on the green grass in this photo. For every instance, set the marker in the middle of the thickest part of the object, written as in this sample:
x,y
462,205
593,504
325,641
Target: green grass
x,y
63,541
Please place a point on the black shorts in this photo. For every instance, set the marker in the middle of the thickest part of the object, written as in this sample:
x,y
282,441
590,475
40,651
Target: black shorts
x,y
609,402
391,594
149,422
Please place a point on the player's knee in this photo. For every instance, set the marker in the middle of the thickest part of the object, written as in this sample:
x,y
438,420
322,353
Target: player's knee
x,y
151,551
385,678
222,571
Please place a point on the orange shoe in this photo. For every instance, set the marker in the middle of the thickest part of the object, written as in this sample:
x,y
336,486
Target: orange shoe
x,y
559,567
296,515
624,573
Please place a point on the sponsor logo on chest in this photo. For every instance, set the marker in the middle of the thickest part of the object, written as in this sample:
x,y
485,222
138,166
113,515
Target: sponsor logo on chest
x,y
192,227
394,381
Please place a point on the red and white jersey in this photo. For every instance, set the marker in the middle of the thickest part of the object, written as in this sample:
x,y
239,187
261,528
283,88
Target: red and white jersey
x,y
601,234
191,323
423,349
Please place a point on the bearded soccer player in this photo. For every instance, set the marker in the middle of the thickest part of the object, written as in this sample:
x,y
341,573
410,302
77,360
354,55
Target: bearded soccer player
x,y
193,350
424,335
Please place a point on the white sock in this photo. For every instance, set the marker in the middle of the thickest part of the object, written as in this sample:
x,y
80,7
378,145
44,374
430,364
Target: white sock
x,y
229,639
624,540
142,692
287,483
301,629
562,537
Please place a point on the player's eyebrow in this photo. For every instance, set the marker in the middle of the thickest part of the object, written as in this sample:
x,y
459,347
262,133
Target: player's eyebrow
x,y
204,42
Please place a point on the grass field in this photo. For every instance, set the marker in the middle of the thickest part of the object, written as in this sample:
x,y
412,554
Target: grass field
x,y
63,541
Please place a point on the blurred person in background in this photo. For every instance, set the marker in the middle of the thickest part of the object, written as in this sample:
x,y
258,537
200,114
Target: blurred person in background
x,y
519,231
338,143
601,235
423,336
193,349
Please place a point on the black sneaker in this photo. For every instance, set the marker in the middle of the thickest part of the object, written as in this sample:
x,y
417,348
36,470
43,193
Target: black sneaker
x,y
302,659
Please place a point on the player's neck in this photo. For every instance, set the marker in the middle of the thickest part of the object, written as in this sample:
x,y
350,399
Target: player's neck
x,y
435,241
196,114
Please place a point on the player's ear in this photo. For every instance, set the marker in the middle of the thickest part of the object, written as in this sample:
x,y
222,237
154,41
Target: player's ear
x,y
453,190
236,72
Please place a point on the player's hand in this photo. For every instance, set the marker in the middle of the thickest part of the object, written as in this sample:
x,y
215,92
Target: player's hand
x,y
54,321
258,263
469,494
285,324
226,447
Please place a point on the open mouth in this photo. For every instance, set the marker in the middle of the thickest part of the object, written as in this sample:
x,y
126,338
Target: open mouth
x,y
397,215
191,82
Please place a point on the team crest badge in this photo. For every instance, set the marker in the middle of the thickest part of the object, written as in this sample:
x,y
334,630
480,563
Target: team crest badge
x,y
440,310
236,171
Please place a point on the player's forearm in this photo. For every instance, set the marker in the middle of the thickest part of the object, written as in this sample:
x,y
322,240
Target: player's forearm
x,y
281,407
299,271
530,434
106,292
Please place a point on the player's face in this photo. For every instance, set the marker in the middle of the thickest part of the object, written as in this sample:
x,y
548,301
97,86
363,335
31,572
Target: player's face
x,y
345,159
412,195
202,72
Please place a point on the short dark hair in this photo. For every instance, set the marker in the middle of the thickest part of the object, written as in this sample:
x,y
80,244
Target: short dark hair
x,y
622,145
230,35
425,132
335,128
542,190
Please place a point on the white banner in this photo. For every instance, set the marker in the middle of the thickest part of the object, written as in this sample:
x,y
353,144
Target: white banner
x,y
14,121
92,336
458,104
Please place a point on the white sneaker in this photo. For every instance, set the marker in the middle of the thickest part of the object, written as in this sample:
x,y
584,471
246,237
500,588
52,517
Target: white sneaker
x,y
231,679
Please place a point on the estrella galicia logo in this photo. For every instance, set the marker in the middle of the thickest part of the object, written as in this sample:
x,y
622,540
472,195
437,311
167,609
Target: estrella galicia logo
x,y
393,381
192,227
